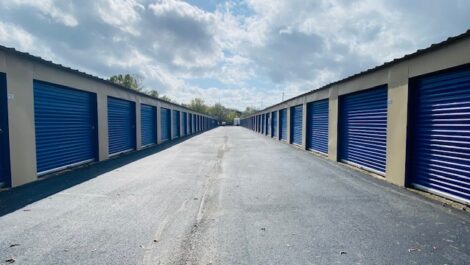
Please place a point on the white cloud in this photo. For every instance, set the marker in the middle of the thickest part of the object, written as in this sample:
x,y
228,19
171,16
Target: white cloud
x,y
247,53
48,8
122,14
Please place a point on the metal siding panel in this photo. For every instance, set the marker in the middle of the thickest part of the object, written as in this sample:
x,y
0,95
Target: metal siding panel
x,y
274,124
121,125
317,126
148,124
4,141
165,117
65,124
283,123
440,156
296,124
363,129
176,124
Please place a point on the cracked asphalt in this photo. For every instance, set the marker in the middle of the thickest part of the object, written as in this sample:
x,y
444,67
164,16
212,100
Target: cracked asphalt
x,y
226,196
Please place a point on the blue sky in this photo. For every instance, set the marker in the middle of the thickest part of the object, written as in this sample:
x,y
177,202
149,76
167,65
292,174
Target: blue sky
x,y
243,53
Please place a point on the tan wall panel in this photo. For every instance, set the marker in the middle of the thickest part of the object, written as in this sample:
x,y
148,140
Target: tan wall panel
x,y
21,121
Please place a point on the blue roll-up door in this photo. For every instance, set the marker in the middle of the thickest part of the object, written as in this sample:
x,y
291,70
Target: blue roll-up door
x,y
194,123
440,139
148,124
65,124
317,126
268,123
185,124
121,125
176,124
296,124
274,124
4,141
363,129
283,124
165,119
190,123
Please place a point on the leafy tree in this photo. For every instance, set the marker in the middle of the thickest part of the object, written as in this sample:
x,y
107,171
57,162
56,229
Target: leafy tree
x,y
166,98
198,105
248,111
152,92
132,81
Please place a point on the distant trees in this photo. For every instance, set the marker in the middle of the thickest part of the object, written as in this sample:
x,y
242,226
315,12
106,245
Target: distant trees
x,y
133,81
248,111
222,113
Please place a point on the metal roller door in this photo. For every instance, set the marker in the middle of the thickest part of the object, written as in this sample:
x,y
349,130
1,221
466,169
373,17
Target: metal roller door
x,y
296,125
363,129
274,124
65,124
268,124
4,142
165,119
317,126
121,125
185,125
440,155
190,125
148,124
176,124
194,123
283,124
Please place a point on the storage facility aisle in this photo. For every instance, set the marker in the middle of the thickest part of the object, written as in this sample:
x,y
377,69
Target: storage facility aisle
x,y
227,196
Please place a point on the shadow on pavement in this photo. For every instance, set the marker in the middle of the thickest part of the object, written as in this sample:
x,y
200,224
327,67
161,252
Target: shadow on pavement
x,y
19,197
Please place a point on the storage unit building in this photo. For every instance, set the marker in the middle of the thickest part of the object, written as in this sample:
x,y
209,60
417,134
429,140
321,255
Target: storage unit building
x,y
175,120
165,123
363,129
121,126
296,124
148,124
439,159
407,120
317,126
65,126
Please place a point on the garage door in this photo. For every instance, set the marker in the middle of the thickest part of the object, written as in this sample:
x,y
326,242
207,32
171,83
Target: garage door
x,y
283,124
274,124
317,126
268,124
190,123
4,146
165,119
121,125
296,125
175,131
363,129
65,124
148,124
185,124
440,158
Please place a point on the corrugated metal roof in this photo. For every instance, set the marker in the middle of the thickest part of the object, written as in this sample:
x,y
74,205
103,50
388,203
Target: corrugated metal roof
x,y
419,52
86,75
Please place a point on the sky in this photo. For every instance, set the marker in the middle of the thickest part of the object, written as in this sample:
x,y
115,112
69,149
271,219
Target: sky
x,y
250,53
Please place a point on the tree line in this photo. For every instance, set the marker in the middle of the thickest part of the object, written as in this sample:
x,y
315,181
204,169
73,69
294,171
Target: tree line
x,y
220,112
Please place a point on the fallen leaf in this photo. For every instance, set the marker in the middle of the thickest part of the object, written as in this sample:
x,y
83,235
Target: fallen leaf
x,y
10,260
343,253
14,245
